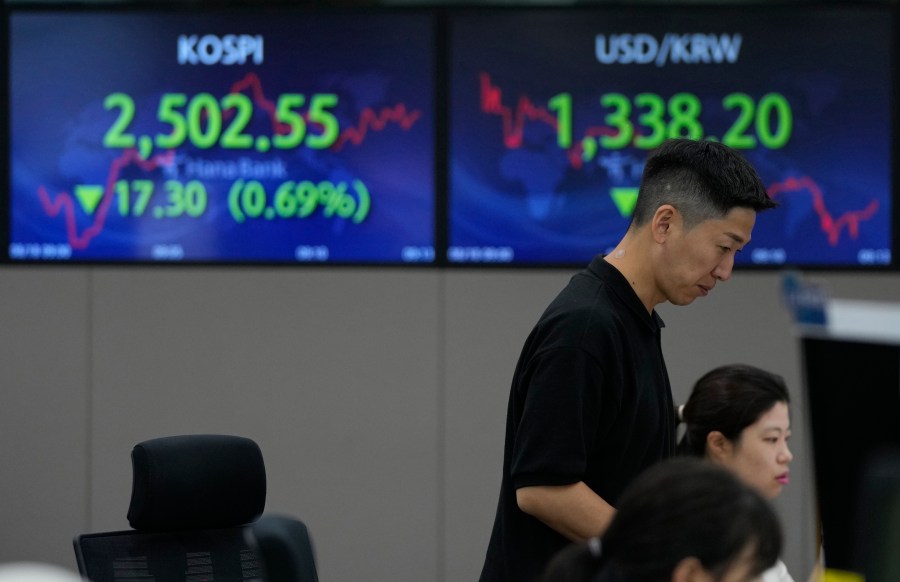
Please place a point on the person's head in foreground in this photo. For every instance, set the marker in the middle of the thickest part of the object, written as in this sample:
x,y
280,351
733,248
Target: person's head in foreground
x,y
682,520
695,210
738,416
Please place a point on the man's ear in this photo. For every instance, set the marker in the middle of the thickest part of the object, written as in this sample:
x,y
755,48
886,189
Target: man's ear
x,y
690,570
718,448
663,220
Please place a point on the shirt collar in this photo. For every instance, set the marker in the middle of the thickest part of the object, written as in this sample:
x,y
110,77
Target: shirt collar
x,y
624,291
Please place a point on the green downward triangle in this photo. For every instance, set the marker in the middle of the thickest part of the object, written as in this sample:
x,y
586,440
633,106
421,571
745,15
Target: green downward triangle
x,y
624,199
89,197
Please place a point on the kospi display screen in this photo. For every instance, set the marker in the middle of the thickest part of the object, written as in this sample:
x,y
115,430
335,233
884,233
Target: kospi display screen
x,y
554,112
254,134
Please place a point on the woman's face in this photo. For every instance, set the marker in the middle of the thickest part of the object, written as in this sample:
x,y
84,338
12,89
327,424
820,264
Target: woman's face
x,y
760,456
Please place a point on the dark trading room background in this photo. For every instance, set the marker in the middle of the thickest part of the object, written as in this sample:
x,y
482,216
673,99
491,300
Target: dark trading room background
x,y
377,394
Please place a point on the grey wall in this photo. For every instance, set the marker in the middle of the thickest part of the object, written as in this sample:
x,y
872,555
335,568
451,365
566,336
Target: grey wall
x,y
378,396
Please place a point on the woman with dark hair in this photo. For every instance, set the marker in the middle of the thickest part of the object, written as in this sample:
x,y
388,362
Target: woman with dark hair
x,y
682,520
737,416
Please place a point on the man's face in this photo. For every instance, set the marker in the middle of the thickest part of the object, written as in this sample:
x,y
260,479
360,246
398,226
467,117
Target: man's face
x,y
694,260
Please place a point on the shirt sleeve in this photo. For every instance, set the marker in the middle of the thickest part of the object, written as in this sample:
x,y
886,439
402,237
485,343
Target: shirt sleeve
x,y
560,400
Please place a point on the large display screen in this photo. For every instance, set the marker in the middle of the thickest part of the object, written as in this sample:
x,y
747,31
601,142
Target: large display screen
x,y
554,112
235,135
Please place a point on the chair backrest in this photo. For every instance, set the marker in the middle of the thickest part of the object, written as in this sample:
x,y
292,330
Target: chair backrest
x,y
284,546
192,498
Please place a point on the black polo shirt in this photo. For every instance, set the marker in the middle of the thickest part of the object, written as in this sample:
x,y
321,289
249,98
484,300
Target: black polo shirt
x,y
590,401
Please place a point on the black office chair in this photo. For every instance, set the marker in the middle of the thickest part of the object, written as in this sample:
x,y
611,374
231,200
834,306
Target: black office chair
x,y
877,535
285,548
193,499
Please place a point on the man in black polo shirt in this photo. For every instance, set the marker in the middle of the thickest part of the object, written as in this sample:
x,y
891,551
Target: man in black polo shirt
x,y
590,405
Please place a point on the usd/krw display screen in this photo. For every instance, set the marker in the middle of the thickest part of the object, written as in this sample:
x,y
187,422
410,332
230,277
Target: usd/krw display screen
x,y
241,135
555,112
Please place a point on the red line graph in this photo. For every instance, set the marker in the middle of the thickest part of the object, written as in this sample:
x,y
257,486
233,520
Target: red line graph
x,y
513,121
525,110
369,119
252,83
63,202
830,225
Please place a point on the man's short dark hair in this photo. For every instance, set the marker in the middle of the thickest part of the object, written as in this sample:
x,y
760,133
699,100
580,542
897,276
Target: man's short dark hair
x,y
702,179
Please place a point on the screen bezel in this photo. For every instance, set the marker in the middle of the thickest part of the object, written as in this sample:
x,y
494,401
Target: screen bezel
x,y
887,10
277,8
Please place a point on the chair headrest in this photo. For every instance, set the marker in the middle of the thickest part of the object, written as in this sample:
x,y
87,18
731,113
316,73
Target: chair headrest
x,y
196,482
